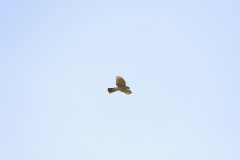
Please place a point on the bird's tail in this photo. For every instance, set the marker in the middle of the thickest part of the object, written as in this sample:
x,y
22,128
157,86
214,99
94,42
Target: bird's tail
x,y
111,90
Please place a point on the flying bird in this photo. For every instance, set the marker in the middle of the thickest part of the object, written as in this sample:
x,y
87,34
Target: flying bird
x,y
121,86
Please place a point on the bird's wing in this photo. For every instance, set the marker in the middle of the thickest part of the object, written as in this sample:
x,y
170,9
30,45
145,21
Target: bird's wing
x,y
120,82
128,92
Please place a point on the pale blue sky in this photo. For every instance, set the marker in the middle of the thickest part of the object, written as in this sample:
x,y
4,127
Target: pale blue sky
x,y
180,58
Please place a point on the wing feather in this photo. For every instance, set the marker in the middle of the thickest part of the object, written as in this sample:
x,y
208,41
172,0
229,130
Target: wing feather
x,y
120,82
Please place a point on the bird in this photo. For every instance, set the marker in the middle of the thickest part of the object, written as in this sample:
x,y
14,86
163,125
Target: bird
x,y
121,86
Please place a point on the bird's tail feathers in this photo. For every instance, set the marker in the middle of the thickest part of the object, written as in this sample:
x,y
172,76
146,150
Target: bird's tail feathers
x,y
111,90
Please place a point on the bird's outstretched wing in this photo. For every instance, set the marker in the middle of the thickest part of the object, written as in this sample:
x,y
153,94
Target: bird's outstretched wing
x,y
128,92
120,82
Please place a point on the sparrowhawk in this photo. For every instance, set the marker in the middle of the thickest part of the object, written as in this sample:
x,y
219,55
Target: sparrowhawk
x,y
120,82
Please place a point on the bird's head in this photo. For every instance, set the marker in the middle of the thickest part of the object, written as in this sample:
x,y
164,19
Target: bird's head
x,y
128,87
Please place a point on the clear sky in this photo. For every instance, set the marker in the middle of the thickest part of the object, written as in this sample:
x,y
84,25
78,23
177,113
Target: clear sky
x,y
180,58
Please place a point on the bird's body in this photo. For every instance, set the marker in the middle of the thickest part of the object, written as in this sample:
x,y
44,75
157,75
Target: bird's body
x,y
120,82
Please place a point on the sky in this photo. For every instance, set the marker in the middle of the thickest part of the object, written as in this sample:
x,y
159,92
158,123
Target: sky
x,y
181,60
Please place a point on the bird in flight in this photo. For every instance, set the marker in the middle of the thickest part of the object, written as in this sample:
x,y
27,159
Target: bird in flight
x,y
121,86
